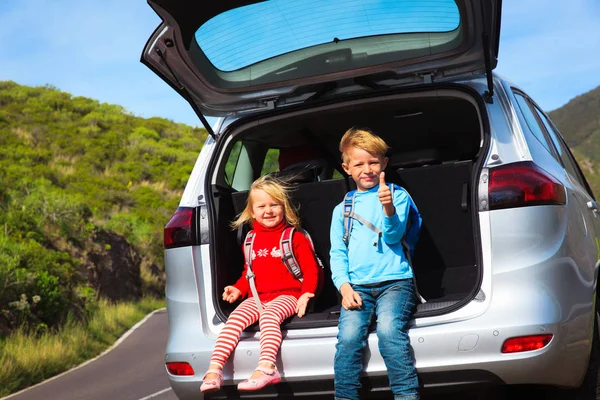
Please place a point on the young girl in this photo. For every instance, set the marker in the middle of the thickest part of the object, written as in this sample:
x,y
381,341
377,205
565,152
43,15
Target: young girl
x,y
281,294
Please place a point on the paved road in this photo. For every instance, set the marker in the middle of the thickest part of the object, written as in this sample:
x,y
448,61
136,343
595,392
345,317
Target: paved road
x,y
133,370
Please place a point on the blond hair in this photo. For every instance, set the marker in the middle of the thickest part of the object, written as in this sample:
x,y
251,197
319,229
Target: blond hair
x,y
279,190
362,139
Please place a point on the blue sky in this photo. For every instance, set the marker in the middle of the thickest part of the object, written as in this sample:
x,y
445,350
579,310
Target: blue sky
x,y
550,48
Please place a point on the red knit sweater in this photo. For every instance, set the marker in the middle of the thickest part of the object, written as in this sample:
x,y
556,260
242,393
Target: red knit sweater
x,y
272,277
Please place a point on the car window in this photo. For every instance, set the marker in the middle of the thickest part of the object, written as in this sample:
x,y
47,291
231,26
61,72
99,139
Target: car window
x,y
271,163
232,161
243,36
532,122
564,153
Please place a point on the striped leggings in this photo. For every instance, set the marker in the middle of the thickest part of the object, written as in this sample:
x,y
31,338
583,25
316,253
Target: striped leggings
x,y
274,313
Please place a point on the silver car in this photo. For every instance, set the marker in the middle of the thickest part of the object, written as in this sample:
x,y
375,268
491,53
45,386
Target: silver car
x,y
508,255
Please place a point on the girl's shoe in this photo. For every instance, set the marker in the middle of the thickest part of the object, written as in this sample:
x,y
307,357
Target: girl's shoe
x,y
269,377
211,385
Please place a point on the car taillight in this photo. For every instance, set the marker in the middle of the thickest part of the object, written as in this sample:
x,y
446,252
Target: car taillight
x,y
178,231
180,368
523,184
525,343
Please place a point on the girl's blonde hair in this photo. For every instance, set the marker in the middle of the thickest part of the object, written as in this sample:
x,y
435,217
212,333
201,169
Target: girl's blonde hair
x,y
279,190
362,139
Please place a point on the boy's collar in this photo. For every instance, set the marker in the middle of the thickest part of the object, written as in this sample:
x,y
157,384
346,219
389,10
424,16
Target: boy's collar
x,y
373,189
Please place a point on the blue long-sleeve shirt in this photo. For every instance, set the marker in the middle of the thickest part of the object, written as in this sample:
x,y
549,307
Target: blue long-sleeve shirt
x,y
361,262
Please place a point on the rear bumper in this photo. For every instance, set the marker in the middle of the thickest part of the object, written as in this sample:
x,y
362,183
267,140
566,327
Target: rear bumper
x,y
373,387
447,356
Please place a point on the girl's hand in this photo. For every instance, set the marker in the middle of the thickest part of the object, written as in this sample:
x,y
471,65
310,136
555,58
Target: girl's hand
x,y
302,303
231,294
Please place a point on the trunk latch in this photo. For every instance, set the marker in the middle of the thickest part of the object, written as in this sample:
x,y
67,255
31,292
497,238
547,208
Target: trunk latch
x,y
270,102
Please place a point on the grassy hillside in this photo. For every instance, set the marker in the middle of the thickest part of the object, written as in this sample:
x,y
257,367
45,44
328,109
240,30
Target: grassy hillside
x,y
579,123
70,169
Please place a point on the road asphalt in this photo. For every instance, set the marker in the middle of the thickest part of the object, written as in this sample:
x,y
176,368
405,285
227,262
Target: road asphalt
x,y
133,370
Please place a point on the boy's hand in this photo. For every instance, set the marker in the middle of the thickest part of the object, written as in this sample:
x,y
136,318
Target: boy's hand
x,y
350,299
302,303
231,294
385,196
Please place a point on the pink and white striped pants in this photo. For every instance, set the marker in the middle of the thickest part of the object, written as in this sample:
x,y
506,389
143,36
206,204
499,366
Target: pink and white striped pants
x,y
274,313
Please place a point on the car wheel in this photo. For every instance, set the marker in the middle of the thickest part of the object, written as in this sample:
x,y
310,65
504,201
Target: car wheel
x,y
589,389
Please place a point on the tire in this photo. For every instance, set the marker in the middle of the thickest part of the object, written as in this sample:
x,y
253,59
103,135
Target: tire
x,y
589,389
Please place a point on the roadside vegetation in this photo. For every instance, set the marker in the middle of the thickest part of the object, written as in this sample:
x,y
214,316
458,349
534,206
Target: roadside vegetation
x,y
28,357
86,189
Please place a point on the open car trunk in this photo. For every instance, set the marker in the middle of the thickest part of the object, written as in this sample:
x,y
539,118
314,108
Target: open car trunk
x,y
436,139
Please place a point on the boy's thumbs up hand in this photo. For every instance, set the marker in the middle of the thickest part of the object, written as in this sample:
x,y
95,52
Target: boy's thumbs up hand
x,y
382,179
385,196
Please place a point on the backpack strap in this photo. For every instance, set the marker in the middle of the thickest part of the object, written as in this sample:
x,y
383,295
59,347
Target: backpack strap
x,y
287,253
348,207
248,244
349,215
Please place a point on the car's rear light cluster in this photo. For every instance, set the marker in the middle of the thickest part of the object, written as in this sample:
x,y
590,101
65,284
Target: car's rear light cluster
x,y
179,231
526,343
523,184
180,368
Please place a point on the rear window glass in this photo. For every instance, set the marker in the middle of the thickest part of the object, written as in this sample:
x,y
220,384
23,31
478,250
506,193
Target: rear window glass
x,y
271,163
247,35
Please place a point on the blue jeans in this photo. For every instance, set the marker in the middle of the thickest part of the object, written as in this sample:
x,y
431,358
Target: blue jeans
x,y
393,303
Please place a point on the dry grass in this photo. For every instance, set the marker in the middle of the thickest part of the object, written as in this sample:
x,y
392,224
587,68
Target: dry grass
x,y
23,134
62,164
28,358
153,283
161,187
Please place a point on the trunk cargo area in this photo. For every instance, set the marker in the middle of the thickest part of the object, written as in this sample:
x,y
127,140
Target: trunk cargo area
x,y
436,139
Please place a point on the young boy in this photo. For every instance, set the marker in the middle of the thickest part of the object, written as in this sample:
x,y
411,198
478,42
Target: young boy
x,y
371,271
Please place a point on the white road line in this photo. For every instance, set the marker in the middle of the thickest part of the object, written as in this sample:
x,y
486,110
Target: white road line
x,y
156,394
118,342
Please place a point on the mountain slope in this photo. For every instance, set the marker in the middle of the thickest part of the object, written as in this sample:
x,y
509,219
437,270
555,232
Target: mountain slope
x,y
579,123
85,191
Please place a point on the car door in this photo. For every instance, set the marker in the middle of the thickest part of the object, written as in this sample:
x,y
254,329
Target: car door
x,y
581,193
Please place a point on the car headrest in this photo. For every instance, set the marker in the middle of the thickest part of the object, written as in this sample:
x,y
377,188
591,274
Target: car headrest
x,y
303,172
415,158
290,156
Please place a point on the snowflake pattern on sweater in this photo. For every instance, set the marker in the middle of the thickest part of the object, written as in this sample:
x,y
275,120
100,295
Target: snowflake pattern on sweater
x,y
275,252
